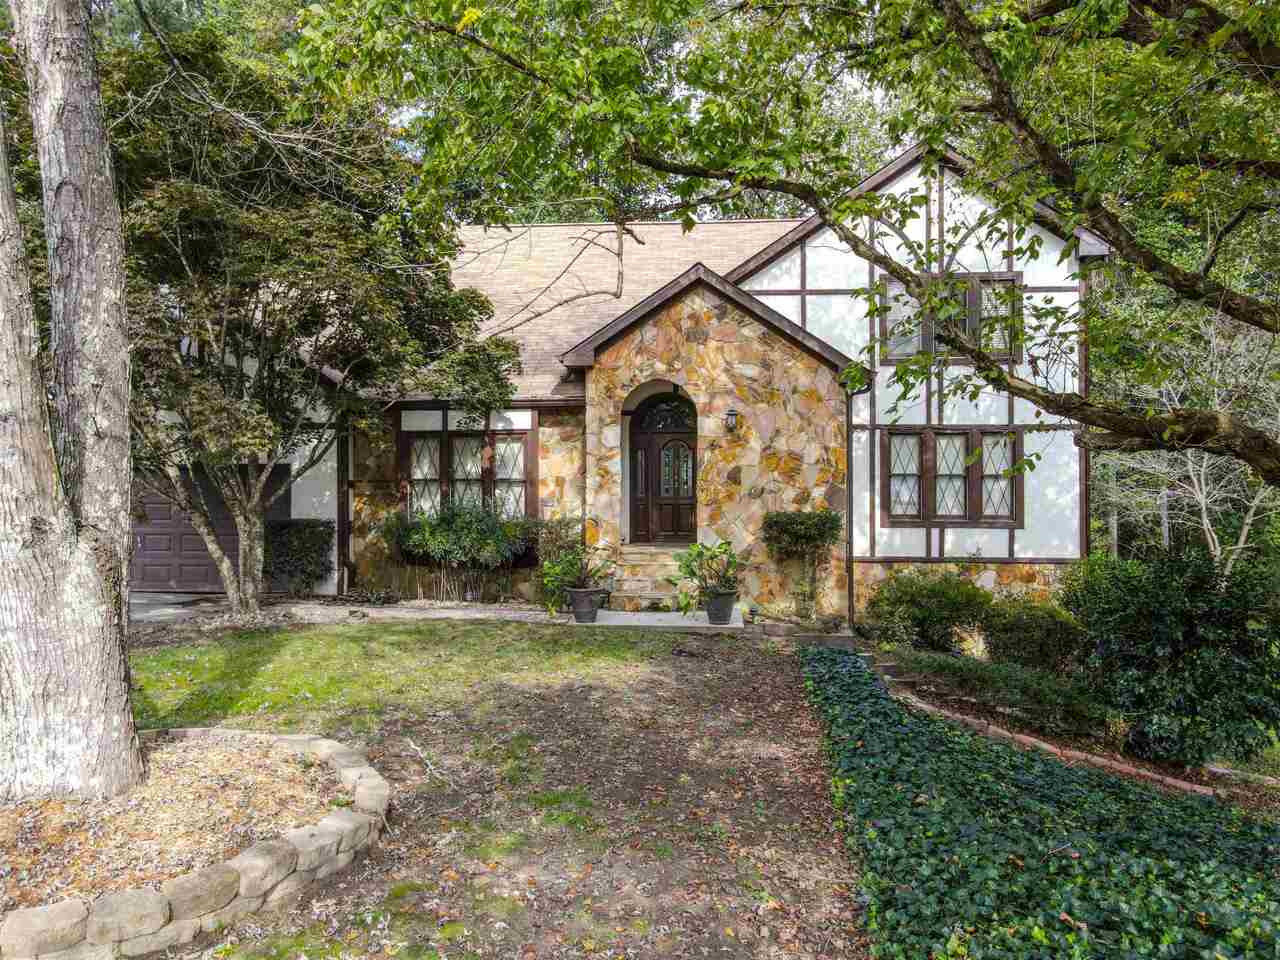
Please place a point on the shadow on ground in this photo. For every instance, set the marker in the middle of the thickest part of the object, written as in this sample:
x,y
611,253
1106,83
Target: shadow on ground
x,y
672,808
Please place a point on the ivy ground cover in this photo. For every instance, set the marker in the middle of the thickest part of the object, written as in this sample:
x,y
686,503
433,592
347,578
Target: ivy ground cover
x,y
971,848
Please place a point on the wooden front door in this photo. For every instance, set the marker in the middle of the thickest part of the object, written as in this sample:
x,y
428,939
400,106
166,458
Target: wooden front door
x,y
664,471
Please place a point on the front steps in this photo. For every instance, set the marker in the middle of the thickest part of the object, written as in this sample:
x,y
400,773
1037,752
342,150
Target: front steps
x,y
640,578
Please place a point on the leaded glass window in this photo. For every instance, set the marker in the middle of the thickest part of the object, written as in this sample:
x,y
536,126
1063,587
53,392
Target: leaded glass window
x,y
904,474
640,471
997,475
424,476
671,414
676,470
466,484
950,451
996,312
508,476
904,333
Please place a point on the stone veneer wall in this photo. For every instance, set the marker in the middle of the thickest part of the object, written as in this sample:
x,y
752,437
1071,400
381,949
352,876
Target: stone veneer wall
x,y
1013,578
268,875
562,462
788,453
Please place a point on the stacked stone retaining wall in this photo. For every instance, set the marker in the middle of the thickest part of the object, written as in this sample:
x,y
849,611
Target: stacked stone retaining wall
x,y
269,875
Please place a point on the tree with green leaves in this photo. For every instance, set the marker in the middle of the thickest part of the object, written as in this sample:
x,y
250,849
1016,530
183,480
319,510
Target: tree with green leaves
x,y
1119,115
283,290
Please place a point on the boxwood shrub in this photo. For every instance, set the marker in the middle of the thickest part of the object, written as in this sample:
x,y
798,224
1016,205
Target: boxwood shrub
x,y
1033,633
972,848
924,609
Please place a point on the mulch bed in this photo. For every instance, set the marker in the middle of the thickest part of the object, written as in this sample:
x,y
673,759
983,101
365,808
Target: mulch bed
x,y
202,803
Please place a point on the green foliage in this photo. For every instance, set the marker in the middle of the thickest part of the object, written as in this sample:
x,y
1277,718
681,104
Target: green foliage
x,y
712,570
971,848
807,536
461,537
801,534
281,282
1033,633
299,553
925,609
1185,650
1049,701
565,561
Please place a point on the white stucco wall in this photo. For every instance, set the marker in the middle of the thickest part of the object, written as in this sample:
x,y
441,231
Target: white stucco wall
x,y
314,495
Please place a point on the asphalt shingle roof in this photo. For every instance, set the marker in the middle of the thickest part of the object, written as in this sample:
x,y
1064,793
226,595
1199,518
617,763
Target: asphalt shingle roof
x,y
526,269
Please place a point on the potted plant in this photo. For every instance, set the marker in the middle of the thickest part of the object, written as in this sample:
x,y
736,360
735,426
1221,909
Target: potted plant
x,y
714,573
576,574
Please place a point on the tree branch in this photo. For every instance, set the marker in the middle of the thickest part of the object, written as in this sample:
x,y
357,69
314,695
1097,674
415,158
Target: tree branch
x,y
1061,174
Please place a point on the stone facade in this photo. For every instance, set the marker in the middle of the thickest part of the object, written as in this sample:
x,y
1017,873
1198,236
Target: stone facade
x,y
787,453
274,873
562,463
1004,578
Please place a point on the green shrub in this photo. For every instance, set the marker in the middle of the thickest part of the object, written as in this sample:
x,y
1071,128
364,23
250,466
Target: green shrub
x,y
298,554
1033,633
1049,701
807,536
931,606
711,569
969,847
1184,650
465,538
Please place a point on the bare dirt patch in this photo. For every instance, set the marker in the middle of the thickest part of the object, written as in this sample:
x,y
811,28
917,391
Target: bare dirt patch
x,y
676,807
203,802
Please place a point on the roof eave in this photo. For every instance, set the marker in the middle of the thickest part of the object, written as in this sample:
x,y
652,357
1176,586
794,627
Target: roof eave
x,y
583,354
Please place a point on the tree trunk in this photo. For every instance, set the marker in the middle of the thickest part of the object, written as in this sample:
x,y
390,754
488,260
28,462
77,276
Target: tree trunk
x,y
252,530
65,721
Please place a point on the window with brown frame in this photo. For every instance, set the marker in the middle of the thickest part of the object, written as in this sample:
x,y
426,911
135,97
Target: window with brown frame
x,y
946,476
992,310
491,468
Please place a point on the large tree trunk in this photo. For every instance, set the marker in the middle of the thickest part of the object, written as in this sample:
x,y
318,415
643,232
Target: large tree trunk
x,y
65,721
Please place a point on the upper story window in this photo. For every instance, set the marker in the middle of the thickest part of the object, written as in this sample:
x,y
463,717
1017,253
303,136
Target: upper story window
x,y
813,285
950,476
990,305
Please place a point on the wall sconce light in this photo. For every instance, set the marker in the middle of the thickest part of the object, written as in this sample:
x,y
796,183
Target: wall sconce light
x,y
731,421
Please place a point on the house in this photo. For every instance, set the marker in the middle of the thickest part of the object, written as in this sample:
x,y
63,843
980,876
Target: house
x,y
684,396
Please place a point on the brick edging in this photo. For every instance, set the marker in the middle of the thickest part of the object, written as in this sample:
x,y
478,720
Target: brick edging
x,y
267,875
1064,754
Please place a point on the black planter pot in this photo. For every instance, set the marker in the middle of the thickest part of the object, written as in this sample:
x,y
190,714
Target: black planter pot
x,y
585,603
720,607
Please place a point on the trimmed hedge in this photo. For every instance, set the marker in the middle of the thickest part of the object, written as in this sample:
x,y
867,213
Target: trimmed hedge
x,y
924,609
298,554
972,848
1033,633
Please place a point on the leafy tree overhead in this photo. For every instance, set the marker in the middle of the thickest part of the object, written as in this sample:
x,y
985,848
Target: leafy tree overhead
x,y
1126,117
282,289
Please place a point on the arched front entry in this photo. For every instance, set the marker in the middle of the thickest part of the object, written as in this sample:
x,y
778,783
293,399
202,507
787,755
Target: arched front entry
x,y
664,470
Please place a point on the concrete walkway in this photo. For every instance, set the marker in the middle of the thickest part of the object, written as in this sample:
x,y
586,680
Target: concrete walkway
x,y
661,620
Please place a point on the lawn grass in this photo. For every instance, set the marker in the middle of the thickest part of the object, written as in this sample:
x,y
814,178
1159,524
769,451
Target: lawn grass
x,y
317,678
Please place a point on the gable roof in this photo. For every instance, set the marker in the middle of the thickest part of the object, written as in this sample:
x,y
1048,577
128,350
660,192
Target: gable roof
x,y
524,269
583,354
1091,245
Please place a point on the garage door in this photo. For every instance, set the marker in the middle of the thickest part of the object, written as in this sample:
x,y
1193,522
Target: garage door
x,y
168,553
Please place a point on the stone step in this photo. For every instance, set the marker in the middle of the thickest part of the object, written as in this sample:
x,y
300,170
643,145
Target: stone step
x,y
634,601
